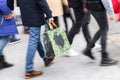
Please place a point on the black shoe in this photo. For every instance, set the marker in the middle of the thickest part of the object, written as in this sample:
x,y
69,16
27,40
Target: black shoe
x,y
14,41
89,54
108,62
5,65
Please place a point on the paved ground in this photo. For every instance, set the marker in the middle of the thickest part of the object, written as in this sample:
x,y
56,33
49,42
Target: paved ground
x,y
66,68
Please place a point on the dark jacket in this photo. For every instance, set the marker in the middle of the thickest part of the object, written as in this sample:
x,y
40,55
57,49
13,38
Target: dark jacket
x,y
32,12
10,4
75,3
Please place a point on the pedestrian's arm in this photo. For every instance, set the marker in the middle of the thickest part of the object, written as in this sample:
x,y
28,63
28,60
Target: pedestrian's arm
x,y
10,4
44,6
108,6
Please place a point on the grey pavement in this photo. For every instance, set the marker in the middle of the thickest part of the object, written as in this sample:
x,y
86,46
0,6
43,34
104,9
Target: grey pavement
x,y
66,68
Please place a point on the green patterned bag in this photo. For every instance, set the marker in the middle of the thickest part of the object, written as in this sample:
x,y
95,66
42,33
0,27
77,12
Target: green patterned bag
x,y
55,41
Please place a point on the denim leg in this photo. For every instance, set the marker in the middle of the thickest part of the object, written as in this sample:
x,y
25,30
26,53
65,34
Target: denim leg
x,y
3,43
40,50
32,47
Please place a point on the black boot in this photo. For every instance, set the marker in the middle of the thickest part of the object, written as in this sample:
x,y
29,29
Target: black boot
x,y
107,61
3,63
88,53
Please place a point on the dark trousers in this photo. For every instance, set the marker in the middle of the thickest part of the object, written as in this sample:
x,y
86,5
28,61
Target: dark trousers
x,y
65,16
101,18
56,20
82,20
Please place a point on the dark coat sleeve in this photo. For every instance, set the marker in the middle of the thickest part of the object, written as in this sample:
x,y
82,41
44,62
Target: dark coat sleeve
x,y
44,6
10,4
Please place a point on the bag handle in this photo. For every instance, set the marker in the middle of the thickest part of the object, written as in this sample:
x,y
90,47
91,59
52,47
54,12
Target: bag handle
x,y
52,25
2,21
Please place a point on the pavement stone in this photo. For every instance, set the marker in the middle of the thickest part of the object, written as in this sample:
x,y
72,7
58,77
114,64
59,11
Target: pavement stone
x,y
115,38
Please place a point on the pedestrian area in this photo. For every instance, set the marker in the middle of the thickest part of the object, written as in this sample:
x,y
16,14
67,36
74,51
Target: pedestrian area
x,y
115,38
63,68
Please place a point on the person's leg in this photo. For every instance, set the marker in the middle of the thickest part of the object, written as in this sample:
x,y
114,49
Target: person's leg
x,y
65,21
65,16
76,28
70,16
26,30
85,28
3,43
14,40
99,18
47,59
32,47
103,24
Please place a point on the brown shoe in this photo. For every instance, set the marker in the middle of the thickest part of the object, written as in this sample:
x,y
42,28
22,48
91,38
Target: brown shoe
x,y
49,61
32,74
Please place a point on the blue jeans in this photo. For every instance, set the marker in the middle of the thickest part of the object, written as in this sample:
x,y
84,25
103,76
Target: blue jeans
x,y
3,42
33,46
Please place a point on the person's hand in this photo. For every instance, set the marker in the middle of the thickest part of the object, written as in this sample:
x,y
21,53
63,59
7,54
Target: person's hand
x,y
51,19
111,17
85,10
9,16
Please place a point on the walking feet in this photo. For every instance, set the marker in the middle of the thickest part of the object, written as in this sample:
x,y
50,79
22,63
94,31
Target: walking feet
x,y
104,62
108,62
4,65
88,54
48,62
71,52
32,74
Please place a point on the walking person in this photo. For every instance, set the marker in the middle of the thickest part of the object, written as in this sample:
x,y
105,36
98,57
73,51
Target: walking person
x,y
99,13
6,20
32,13
82,19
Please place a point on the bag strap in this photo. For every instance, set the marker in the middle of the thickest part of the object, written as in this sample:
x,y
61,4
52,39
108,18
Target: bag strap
x,y
49,26
2,21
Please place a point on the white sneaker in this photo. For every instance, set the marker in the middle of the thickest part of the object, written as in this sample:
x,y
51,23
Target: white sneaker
x,y
71,52
97,48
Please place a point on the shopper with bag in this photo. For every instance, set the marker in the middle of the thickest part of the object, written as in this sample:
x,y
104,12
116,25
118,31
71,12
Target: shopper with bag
x,y
33,15
7,28
98,9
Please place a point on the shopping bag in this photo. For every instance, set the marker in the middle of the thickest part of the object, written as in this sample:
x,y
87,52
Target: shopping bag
x,y
55,40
